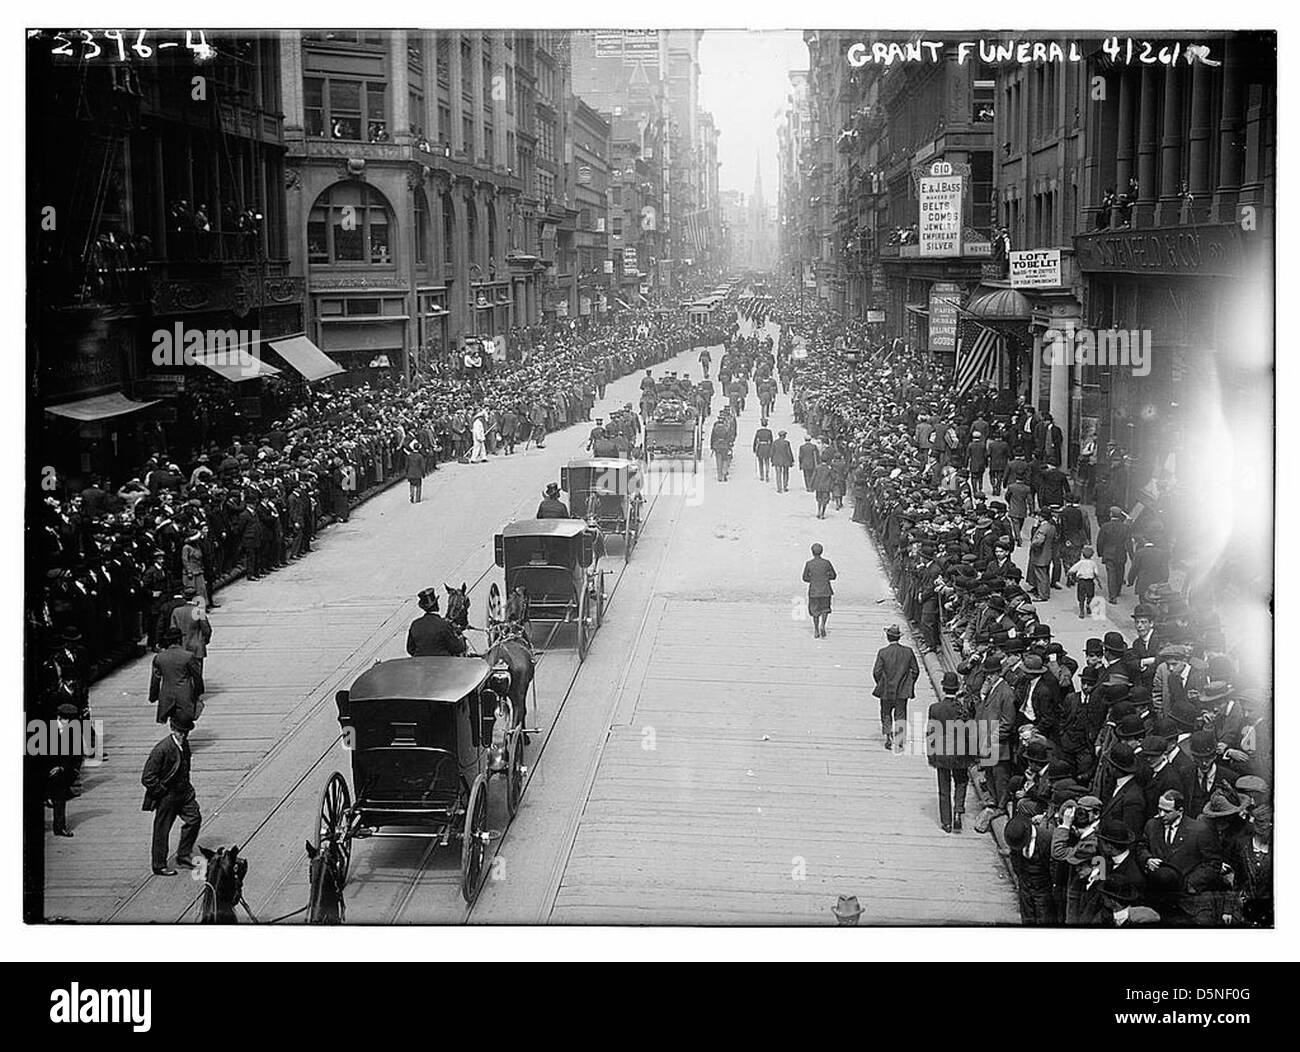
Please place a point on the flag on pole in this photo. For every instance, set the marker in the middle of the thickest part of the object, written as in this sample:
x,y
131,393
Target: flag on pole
x,y
979,352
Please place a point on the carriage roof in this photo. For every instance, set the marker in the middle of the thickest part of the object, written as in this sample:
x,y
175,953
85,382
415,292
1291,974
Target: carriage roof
x,y
545,528
441,680
607,464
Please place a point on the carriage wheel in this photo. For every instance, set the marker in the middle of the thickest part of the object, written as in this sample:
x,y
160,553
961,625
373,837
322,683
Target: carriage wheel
x,y
473,843
584,637
515,774
332,826
496,609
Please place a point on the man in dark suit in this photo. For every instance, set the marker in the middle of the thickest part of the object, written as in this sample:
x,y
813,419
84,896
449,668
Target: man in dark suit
x,y
432,635
950,751
808,462
818,573
175,680
999,454
1145,649
1117,886
1113,545
782,461
1180,855
1127,803
1031,860
551,506
169,794
895,672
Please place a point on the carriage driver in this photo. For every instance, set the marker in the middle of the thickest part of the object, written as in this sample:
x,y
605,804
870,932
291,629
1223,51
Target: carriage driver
x,y
551,506
432,635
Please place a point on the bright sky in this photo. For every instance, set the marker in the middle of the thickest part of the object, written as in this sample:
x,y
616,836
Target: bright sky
x,y
743,83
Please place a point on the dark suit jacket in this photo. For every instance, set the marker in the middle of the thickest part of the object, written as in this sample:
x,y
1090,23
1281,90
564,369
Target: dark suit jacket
x,y
1129,805
807,456
782,454
895,672
160,769
433,636
1194,844
175,682
819,573
947,742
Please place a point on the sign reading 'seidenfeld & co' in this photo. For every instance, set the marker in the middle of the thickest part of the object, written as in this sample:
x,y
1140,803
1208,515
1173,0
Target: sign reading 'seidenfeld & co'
x,y
1036,268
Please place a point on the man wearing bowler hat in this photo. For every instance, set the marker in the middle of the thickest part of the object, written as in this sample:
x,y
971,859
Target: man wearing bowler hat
x,y
950,750
895,672
169,794
1116,882
1127,804
847,911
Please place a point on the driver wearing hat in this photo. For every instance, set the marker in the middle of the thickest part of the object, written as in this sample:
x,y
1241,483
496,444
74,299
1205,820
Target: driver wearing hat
x,y
432,635
551,506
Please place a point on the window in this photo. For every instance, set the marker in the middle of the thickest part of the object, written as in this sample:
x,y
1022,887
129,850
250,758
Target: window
x,y
415,51
448,232
487,83
510,89
333,107
489,144
618,226
421,227
349,224
444,124
466,69
444,61
467,134
415,102
616,195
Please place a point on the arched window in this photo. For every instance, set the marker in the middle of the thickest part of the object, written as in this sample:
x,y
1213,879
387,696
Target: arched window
x,y
422,228
350,223
448,233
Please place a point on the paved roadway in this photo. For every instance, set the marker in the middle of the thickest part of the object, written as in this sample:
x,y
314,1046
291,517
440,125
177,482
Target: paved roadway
x,y
710,762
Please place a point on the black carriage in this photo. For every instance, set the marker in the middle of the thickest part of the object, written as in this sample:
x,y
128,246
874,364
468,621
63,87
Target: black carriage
x,y
606,492
555,562
427,735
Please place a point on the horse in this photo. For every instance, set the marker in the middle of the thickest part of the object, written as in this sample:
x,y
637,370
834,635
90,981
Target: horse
x,y
325,904
507,641
223,885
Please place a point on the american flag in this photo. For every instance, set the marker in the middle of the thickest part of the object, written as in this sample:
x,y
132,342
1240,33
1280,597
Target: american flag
x,y
979,351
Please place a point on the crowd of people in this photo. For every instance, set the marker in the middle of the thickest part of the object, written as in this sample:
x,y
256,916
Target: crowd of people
x,y
1128,783
131,563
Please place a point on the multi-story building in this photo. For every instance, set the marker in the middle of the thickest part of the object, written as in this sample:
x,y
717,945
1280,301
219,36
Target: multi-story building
x,y
794,248
426,187
589,175
155,173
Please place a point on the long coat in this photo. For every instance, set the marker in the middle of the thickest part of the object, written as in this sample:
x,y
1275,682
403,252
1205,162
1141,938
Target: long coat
x,y
896,672
174,683
782,454
819,573
196,632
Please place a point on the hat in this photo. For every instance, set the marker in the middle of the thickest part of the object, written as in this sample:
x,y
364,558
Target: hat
x,y
428,599
1117,513
1183,713
1032,663
847,906
552,489
1113,831
1144,610
781,434
1058,769
1153,745
1131,726
1173,652
181,723
1204,744
991,662
68,711
1017,831
1247,783
1113,643
1219,807
1122,757
1216,691
1036,751
893,632
1090,802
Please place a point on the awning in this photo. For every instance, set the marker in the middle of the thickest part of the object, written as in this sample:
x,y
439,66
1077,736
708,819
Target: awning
x,y
995,304
250,369
305,357
98,408
622,303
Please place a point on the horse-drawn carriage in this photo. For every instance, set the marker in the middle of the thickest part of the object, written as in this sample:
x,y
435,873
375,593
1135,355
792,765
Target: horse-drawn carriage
x,y
427,735
551,575
606,492
674,436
